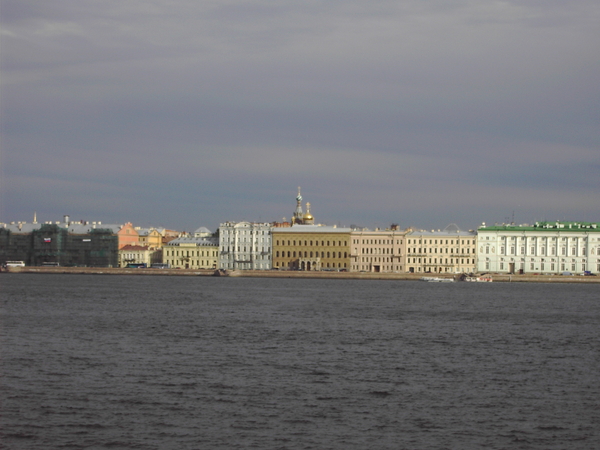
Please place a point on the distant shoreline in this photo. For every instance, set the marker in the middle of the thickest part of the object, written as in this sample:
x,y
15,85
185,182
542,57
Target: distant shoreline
x,y
527,278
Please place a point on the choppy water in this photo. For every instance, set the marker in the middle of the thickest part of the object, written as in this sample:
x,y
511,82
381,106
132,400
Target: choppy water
x,y
133,362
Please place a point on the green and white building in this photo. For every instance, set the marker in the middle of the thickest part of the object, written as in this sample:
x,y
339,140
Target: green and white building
x,y
544,247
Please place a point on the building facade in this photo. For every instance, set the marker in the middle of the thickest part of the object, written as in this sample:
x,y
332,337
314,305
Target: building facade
x,y
311,247
190,252
128,235
545,247
244,246
139,254
378,250
447,251
61,243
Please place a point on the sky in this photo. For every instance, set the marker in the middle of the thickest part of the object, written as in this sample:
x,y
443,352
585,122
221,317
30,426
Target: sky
x,y
187,113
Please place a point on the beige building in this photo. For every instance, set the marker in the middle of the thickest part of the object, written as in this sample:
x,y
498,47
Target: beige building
x,y
192,253
139,254
311,247
446,251
378,250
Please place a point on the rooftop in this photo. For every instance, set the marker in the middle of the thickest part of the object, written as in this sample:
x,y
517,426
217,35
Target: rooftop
x,y
311,229
593,227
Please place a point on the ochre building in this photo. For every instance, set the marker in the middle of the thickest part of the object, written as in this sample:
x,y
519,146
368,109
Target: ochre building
x,y
311,247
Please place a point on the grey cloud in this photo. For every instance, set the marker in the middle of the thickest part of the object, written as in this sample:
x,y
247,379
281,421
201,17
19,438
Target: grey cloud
x,y
410,106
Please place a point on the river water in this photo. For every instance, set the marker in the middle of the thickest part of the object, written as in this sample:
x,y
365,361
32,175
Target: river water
x,y
137,362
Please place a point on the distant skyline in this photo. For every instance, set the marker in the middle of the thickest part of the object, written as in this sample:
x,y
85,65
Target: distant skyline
x,y
186,114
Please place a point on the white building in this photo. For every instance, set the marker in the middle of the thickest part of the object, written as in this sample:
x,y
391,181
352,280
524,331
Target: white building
x,y
545,247
245,246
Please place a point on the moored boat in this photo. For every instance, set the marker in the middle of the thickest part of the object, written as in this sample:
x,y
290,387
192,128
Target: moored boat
x,y
437,280
482,279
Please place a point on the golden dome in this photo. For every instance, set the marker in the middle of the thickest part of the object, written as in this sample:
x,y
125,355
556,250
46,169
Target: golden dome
x,y
308,216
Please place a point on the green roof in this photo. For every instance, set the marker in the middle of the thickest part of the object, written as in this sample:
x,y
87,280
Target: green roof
x,y
593,227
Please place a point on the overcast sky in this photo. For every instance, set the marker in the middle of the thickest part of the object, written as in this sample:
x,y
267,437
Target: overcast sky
x,y
188,113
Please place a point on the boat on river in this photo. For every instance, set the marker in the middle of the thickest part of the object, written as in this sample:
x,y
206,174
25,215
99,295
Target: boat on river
x,y
437,280
481,279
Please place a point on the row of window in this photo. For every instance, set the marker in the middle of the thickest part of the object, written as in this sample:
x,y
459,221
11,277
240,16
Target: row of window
x,y
307,254
292,265
377,241
310,243
246,249
192,263
534,250
542,267
367,267
432,241
435,261
376,259
435,250
533,238
378,251
190,253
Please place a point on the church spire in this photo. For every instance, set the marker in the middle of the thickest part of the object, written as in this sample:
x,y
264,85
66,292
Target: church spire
x,y
298,214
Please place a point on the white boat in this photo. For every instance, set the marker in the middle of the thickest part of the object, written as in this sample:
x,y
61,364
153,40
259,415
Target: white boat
x,y
437,280
482,279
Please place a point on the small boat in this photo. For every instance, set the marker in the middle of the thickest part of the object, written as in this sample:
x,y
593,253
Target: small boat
x,y
437,280
482,279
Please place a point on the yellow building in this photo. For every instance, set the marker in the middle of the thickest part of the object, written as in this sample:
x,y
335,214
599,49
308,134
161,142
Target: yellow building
x,y
191,253
311,247
150,237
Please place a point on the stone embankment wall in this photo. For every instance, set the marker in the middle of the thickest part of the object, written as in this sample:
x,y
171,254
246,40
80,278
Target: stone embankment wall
x,y
295,274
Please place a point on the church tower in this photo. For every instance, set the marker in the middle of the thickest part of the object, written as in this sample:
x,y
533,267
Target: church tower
x,y
298,216
308,219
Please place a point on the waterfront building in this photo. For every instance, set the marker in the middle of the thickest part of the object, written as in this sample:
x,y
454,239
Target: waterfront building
x,y
191,252
447,251
311,247
150,237
60,243
544,247
139,254
244,246
128,235
378,250
302,245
